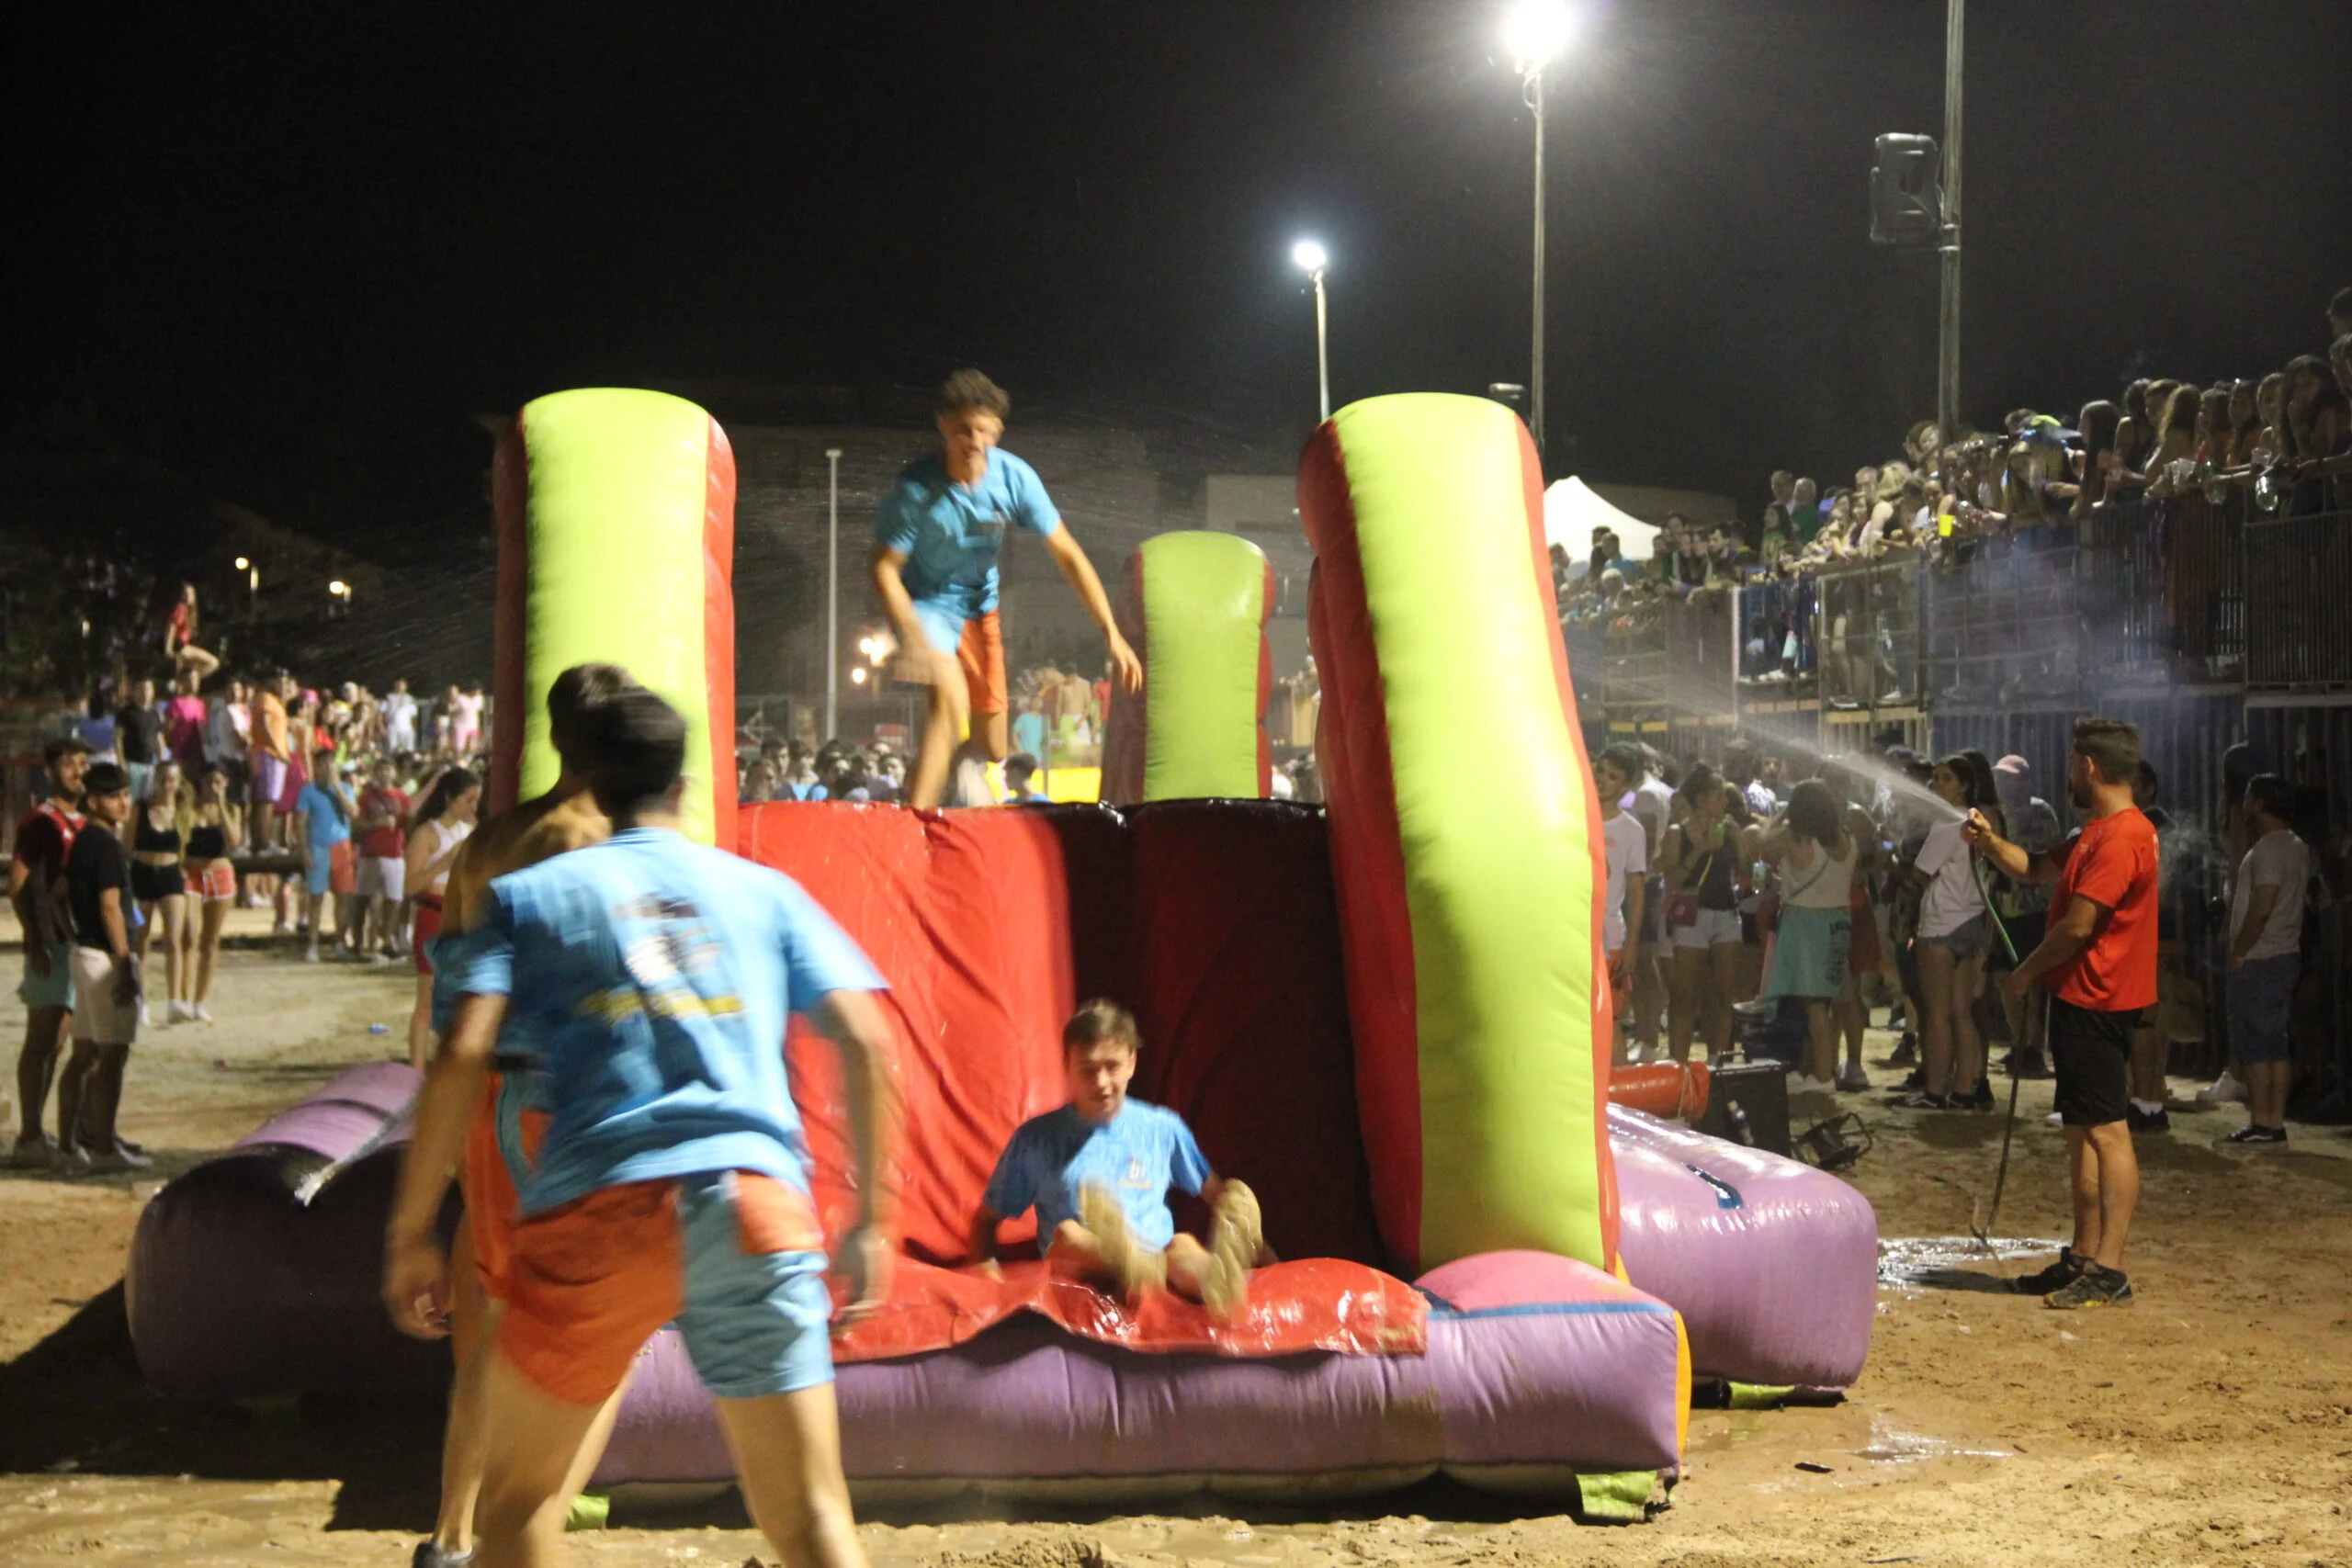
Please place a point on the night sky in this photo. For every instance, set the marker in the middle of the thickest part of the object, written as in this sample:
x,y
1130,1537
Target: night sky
x,y
291,250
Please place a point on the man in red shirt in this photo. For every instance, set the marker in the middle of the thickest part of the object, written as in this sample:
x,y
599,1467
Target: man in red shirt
x,y
382,827
2097,960
36,877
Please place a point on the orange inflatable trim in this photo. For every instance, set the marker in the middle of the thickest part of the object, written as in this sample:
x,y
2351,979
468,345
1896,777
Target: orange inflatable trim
x,y
1672,1089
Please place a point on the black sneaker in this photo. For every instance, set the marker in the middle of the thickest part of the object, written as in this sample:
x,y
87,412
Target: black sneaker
x,y
1907,1051
2057,1276
1910,1085
2094,1287
1983,1099
2250,1133
2141,1120
432,1554
1923,1101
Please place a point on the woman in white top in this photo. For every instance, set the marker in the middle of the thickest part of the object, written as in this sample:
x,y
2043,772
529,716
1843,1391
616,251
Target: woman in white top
x,y
1816,858
441,824
1951,945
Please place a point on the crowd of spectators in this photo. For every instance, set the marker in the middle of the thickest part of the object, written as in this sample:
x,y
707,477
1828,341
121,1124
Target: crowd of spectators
x,y
2284,438
1779,898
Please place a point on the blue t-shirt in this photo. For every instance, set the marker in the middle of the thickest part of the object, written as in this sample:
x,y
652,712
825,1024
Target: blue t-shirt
x,y
1029,733
654,975
324,821
1140,1153
950,535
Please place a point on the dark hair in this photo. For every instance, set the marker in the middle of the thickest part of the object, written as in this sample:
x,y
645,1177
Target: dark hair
x,y
1702,780
637,747
2113,745
2270,792
1020,762
318,752
1813,813
965,389
445,788
1626,757
106,778
62,746
2135,398
1101,1019
571,697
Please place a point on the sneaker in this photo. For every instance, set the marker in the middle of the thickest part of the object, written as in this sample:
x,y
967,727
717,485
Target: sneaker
x,y
1923,1101
283,927
32,1154
2053,1119
310,956
2250,1133
197,1012
1235,1235
2057,1276
71,1159
2094,1287
1799,1083
1913,1084
2147,1120
1983,1099
1853,1081
433,1554
122,1157
1907,1051
2222,1090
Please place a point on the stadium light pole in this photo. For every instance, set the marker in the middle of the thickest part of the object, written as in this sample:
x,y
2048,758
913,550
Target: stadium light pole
x,y
1311,257
1536,31
832,592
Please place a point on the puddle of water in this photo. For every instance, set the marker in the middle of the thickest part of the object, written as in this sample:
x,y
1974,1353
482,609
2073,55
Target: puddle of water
x,y
1890,1446
1912,1262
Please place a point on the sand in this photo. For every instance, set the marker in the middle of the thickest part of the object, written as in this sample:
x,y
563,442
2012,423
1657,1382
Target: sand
x,y
2209,1423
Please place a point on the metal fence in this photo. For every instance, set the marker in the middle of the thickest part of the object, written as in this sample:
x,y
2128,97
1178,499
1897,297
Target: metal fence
x,y
2298,580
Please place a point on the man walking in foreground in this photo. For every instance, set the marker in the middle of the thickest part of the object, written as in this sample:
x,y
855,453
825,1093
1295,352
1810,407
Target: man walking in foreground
x,y
2097,960
673,1184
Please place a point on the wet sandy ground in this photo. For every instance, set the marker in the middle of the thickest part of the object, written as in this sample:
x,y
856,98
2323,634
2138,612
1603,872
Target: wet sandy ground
x,y
2211,1423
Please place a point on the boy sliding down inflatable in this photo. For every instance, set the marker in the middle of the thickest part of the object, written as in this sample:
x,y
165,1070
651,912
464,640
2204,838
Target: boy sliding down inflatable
x,y
1098,1172
936,535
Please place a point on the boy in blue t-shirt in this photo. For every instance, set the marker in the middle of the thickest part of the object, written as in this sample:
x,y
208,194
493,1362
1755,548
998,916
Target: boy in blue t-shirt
x,y
936,535
1098,1172
652,978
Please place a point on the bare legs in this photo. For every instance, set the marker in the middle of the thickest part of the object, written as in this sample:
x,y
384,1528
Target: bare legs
x,y
46,1030
89,1094
1952,1053
420,1025
206,939
2104,1172
2265,1091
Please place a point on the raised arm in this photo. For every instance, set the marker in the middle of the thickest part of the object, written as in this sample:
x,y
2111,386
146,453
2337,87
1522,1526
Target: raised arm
x,y
2010,859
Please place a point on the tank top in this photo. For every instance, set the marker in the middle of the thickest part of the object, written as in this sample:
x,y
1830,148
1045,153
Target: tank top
x,y
149,840
1819,885
1714,887
443,834
207,841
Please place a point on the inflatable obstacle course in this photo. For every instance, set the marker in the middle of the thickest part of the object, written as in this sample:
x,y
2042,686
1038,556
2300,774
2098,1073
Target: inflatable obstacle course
x,y
1366,1075
617,545
1472,915
1193,606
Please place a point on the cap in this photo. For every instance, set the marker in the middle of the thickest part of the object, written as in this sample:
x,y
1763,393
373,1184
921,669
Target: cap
x,y
2014,764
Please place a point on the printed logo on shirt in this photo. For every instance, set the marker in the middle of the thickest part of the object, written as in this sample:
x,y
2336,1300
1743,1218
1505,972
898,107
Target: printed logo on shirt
x,y
1136,1175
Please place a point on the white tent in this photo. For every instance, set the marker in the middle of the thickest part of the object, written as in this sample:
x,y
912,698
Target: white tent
x,y
1572,513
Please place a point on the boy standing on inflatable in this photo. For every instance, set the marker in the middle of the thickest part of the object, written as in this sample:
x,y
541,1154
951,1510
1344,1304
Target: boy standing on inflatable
x,y
937,537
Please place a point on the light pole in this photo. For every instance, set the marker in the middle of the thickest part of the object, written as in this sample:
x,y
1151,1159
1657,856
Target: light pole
x,y
1535,31
832,591
1312,257
1947,243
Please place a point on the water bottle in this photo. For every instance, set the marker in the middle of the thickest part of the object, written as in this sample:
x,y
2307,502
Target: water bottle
x,y
1741,1132
380,1029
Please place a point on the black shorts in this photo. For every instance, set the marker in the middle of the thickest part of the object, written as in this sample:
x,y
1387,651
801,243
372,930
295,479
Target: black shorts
x,y
2091,1054
150,883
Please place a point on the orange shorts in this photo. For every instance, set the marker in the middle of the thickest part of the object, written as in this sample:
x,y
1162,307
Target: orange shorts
x,y
735,1259
981,653
487,1178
